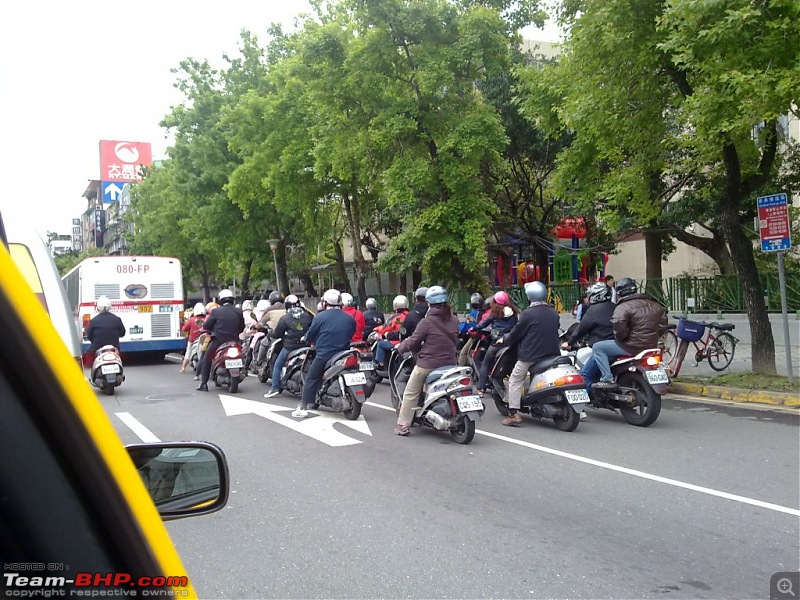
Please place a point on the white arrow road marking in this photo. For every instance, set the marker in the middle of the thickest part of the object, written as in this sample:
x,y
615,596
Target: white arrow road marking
x,y
633,472
319,427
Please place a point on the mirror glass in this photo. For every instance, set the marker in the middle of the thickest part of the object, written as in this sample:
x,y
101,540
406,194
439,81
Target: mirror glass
x,y
183,479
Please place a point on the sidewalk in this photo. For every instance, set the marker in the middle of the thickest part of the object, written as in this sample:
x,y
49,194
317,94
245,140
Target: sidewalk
x,y
736,394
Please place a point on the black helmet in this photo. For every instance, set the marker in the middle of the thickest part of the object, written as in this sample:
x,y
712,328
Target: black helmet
x,y
420,293
625,287
476,300
275,296
598,292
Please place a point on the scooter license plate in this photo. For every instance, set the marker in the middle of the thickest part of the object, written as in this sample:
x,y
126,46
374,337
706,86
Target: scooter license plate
x,y
468,403
235,363
355,378
657,376
366,366
107,369
577,396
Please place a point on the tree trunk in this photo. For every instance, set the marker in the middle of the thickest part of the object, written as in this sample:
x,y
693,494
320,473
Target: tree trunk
x,y
715,247
352,214
653,251
763,343
308,284
341,270
283,277
245,285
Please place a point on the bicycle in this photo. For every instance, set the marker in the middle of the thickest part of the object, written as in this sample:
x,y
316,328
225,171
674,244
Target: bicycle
x,y
717,347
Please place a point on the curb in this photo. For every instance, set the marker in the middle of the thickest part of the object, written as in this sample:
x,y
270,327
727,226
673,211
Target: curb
x,y
736,394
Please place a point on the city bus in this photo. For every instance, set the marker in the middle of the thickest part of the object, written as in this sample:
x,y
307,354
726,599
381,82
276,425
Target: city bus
x,y
146,292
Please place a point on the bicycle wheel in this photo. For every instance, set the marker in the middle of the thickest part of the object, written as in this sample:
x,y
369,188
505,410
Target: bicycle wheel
x,y
720,351
669,345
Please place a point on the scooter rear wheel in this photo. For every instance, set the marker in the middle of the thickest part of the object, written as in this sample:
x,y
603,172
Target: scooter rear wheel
x,y
569,422
500,403
355,409
109,389
233,385
646,404
465,431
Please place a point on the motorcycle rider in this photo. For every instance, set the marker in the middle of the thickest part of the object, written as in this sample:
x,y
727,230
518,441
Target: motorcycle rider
x,y
500,321
390,333
372,317
434,343
416,314
330,332
224,324
105,328
595,326
268,322
638,322
193,327
536,338
349,306
292,327
469,322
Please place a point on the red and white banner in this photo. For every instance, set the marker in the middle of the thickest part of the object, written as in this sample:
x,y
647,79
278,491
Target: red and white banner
x,y
121,161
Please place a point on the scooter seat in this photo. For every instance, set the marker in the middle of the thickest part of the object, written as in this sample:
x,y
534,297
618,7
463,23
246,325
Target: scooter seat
x,y
438,372
548,363
722,326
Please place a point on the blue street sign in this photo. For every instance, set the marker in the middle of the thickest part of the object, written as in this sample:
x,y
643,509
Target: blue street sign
x,y
112,190
773,223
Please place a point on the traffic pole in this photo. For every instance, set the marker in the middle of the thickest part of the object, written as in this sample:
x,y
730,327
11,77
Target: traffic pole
x,y
785,311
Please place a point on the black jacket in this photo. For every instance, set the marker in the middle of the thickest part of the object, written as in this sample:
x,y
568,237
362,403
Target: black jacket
x,y
292,326
104,329
225,323
372,319
536,333
595,324
414,316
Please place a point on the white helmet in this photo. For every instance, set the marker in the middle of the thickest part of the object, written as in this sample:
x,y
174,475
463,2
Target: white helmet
x,y
399,302
247,305
536,291
262,304
103,304
332,297
371,304
291,300
347,299
226,297
199,309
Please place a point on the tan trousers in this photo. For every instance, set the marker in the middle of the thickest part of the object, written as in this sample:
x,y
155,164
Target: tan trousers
x,y
515,382
411,395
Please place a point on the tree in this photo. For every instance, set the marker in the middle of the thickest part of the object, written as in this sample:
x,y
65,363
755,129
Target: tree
x,y
663,99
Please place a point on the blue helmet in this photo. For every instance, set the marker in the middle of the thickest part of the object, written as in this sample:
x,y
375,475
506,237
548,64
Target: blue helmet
x,y
436,294
536,291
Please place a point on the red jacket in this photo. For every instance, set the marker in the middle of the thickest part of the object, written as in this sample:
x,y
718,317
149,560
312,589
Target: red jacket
x,y
194,327
391,330
359,317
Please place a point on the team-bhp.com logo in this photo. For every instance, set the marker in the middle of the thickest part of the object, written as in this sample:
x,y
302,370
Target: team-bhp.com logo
x,y
93,585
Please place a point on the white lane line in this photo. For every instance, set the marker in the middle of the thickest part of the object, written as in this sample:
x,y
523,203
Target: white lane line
x,y
633,472
142,432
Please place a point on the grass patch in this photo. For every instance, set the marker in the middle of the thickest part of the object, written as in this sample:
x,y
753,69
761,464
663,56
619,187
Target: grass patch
x,y
748,381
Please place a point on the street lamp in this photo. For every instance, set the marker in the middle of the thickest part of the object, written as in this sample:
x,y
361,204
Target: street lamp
x,y
273,245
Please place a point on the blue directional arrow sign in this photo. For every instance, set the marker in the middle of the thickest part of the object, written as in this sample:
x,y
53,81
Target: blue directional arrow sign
x,y
111,191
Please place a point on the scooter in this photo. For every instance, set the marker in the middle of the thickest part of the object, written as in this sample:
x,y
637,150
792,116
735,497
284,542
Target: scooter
x,y
554,389
294,370
366,364
343,382
641,380
107,372
227,366
266,365
448,401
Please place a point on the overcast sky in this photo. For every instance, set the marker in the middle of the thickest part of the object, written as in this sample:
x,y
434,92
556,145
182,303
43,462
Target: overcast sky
x,y
74,73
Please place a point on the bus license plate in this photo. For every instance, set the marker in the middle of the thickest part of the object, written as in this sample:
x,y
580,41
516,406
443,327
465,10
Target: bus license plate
x,y
468,403
355,378
366,366
235,363
145,309
577,396
657,376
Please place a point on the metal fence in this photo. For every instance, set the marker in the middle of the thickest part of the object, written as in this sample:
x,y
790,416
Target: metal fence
x,y
678,294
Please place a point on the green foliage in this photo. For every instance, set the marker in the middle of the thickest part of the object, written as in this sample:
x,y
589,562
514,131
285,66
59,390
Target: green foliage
x,y
68,260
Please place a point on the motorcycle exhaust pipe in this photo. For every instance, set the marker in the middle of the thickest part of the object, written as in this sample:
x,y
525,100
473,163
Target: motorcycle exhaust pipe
x,y
437,421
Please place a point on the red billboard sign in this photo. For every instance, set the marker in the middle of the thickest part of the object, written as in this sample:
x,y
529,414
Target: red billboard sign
x,y
120,161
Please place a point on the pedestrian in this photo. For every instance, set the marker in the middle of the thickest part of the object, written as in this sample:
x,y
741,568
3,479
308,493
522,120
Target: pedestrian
x,y
193,327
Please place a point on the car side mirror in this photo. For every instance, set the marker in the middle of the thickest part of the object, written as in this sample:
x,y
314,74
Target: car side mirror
x,y
185,479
